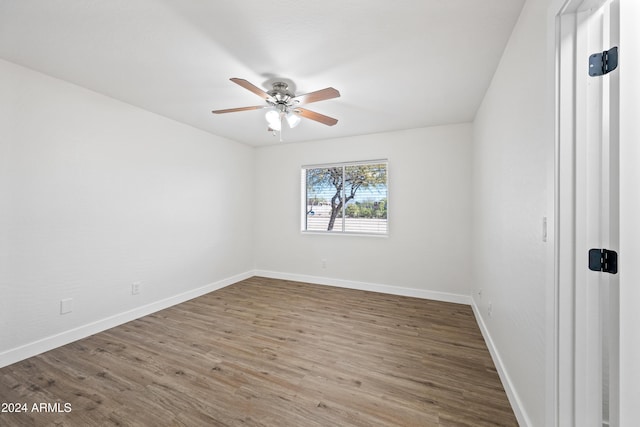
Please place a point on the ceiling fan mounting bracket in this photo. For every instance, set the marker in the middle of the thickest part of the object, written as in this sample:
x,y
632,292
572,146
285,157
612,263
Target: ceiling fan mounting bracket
x,y
280,86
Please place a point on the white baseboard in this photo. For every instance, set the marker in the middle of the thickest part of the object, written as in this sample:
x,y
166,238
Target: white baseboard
x,y
512,395
45,344
373,287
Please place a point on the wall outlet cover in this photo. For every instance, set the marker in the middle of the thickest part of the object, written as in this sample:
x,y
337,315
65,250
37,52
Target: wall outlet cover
x,y
66,305
135,288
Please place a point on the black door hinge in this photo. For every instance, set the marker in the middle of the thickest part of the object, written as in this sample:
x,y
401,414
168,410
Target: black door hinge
x,y
603,63
603,260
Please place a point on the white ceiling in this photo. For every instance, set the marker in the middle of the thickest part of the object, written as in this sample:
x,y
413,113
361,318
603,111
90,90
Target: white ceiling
x,y
398,65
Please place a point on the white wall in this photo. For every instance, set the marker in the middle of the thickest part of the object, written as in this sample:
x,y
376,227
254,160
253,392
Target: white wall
x,y
96,194
512,154
427,251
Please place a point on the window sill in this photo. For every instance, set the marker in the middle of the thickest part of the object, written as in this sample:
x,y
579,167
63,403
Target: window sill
x,y
341,233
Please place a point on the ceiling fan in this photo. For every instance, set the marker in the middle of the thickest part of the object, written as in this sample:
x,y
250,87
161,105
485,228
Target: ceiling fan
x,y
283,105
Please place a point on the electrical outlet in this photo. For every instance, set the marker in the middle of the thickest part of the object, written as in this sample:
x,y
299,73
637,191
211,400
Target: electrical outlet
x,y
490,309
66,305
480,294
135,288
324,263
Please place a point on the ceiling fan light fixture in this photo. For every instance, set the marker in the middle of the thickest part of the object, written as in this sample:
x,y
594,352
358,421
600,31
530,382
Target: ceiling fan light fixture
x,y
273,118
293,119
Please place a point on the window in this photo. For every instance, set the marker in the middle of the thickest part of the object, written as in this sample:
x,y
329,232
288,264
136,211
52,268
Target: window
x,y
345,198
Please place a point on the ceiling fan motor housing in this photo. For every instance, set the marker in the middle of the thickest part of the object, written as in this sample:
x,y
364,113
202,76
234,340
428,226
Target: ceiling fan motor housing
x,y
281,94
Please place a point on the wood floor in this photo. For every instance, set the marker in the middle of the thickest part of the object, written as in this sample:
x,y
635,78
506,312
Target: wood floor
x,y
267,352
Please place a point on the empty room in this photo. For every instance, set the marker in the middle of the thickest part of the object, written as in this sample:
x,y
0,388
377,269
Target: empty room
x,y
336,213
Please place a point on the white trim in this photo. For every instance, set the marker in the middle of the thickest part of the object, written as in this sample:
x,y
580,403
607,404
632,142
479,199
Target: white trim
x,y
509,388
364,286
354,163
629,387
48,343
560,230
560,411
344,233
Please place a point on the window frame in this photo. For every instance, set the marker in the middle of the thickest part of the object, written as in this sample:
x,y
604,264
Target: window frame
x,y
340,232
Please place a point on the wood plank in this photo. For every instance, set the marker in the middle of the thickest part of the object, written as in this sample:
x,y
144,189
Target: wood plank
x,y
267,352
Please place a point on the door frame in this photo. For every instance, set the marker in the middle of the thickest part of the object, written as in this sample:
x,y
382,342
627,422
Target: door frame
x,y
566,336
629,269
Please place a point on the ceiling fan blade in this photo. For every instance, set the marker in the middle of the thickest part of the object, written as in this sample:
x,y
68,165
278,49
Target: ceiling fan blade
x,y
319,95
308,114
251,87
234,110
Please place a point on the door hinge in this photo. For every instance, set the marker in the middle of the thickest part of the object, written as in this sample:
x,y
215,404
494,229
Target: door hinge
x,y
604,62
603,260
